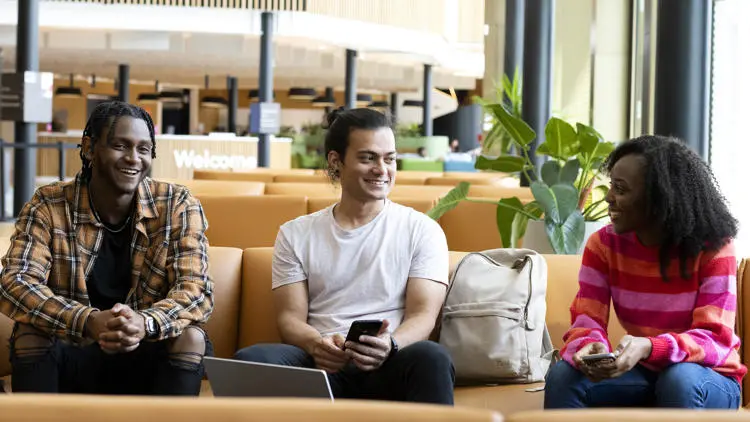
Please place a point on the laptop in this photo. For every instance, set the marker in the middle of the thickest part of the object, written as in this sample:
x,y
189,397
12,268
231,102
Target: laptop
x,y
235,378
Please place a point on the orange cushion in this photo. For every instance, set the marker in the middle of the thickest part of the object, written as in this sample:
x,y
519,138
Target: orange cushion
x,y
305,189
249,221
225,267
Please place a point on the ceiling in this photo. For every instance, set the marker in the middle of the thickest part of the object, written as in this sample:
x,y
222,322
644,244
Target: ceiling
x,y
297,63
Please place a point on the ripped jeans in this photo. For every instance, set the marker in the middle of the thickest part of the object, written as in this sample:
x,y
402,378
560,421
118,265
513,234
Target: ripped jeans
x,y
45,364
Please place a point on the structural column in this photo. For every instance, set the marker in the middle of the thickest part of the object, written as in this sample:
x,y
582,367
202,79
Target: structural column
x,y
514,19
265,82
683,60
350,83
394,107
232,104
27,59
427,101
123,81
537,74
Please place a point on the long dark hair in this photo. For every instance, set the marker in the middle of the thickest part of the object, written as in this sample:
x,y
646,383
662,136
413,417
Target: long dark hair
x,y
682,196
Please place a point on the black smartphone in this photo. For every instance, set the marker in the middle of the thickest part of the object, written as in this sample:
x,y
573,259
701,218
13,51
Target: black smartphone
x,y
363,327
598,359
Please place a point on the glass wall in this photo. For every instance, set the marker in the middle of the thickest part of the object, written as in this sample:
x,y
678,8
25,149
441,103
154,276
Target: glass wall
x,y
730,146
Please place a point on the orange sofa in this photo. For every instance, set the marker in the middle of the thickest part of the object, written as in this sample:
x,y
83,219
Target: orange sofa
x,y
26,407
244,315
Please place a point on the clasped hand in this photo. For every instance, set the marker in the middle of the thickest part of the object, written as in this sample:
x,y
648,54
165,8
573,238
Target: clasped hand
x,y
118,330
333,353
629,352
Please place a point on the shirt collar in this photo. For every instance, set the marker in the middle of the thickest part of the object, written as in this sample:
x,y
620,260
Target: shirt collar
x,y
145,206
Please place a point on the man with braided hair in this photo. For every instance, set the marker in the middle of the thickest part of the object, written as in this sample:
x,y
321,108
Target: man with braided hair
x,y
106,275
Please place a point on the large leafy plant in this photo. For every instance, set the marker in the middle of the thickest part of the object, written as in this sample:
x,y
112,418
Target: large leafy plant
x,y
497,141
564,194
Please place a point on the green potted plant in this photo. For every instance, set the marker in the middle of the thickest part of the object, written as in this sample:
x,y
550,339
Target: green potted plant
x,y
568,204
497,140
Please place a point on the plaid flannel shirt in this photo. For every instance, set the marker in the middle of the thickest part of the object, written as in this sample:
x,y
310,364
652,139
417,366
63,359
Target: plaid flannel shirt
x,y
54,250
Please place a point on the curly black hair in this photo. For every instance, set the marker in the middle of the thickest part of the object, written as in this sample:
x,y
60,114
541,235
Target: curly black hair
x,y
682,196
108,113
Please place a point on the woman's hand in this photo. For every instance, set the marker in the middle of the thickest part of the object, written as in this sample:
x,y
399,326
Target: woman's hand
x,y
630,351
591,371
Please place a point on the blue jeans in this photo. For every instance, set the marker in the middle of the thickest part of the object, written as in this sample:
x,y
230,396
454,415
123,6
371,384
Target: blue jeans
x,y
683,385
421,372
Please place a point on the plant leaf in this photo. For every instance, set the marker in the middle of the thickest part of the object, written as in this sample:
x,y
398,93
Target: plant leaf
x,y
505,217
546,199
449,201
521,133
505,163
566,238
521,221
569,172
551,173
560,138
593,145
566,197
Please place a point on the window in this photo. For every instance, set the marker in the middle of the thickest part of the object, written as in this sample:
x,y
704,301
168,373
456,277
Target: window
x,y
730,108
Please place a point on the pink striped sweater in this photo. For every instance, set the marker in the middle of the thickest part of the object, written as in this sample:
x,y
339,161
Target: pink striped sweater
x,y
686,320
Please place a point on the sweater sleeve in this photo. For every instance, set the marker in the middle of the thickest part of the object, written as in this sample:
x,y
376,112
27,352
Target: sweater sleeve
x,y
711,340
590,309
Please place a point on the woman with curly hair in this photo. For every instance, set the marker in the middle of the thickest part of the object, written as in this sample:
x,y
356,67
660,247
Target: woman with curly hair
x,y
668,265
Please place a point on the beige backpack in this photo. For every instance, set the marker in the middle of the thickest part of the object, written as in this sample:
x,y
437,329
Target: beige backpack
x,y
493,321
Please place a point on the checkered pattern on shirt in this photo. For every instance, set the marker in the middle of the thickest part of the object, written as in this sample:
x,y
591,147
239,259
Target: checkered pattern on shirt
x,y
55,245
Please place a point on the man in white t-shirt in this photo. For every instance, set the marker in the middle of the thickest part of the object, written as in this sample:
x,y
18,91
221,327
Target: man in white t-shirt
x,y
364,258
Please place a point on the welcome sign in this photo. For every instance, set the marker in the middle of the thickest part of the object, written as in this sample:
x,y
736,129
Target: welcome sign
x,y
189,159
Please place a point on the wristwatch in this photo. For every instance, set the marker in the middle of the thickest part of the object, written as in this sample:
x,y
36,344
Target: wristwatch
x,y
152,329
394,348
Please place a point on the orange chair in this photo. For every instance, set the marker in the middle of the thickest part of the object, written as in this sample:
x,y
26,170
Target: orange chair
x,y
231,175
411,191
301,178
202,188
419,204
453,181
305,189
471,227
496,192
249,221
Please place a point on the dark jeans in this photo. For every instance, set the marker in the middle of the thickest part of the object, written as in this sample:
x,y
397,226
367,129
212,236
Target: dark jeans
x,y
684,385
422,372
69,368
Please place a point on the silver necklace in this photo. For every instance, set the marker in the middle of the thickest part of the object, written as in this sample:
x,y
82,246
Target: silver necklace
x,y
106,226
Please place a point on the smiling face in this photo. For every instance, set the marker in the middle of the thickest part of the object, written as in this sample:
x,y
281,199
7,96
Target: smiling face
x,y
628,207
122,161
368,170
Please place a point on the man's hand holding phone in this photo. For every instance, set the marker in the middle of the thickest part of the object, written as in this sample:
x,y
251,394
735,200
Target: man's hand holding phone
x,y
328,353
368,352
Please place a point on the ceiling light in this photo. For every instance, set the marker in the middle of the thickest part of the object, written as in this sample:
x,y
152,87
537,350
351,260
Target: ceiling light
x,y
364,99
413,103
324,101
302,93
69,91
213,102
172,97
148,98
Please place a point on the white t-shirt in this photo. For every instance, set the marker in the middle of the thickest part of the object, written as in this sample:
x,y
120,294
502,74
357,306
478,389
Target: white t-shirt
x,y
360,273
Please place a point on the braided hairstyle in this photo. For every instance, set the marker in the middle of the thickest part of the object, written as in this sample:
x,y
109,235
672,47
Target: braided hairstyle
x,y
107,114
682,196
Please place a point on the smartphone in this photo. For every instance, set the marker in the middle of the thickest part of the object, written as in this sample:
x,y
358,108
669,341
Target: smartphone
x,y
363,327
599,358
